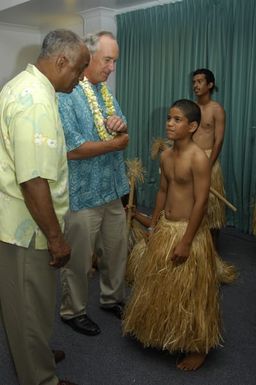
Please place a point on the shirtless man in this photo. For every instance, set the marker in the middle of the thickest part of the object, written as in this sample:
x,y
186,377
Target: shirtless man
x,y
209,137
210,133
176,284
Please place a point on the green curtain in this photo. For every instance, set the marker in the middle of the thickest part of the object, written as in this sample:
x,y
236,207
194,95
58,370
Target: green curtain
x,y
159,49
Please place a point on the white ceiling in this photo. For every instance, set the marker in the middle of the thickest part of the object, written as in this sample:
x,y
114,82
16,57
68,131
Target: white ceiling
x,y
33,12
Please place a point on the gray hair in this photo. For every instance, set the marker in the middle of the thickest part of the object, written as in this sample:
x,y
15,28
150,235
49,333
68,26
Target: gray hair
x,y
92,39
61,41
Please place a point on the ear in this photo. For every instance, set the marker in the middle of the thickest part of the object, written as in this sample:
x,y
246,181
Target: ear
x,y
210,85
193,126
61,62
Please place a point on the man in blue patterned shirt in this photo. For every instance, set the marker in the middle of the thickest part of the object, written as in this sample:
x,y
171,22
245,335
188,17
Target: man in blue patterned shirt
x,y
96,133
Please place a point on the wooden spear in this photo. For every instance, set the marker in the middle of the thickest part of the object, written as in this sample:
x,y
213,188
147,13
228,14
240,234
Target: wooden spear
x,y
224,200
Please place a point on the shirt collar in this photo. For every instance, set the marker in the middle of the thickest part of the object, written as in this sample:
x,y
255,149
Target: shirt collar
x,y
33,70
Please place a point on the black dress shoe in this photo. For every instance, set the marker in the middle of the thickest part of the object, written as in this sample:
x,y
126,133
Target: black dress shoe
x,y
59,355
116,308
83,324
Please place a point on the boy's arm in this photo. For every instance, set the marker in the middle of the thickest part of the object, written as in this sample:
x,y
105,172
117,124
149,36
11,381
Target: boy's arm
x,y
143,219
161,195
201,183
219,129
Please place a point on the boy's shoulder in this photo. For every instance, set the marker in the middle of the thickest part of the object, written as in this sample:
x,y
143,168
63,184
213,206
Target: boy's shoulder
x,y
196,151
165,154
198,156
167,151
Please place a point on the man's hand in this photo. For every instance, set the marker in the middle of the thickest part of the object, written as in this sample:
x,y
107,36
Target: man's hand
x,y
181,253
60,252
121,141
115,124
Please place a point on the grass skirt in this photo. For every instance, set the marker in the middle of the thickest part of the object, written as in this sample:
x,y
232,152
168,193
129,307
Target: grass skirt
x,y
134,259
226,272
175,307
137,232
216,208
136,247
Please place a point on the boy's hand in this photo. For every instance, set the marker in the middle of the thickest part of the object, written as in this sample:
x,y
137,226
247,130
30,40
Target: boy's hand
x,y
133,210
181,253
148,234
150,231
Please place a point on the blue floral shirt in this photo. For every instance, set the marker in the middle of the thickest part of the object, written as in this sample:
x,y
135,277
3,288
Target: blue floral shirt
x,y
97,180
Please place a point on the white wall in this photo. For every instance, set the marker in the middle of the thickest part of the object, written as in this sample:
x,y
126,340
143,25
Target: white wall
x,y
98,19
18,46
73,22
10,3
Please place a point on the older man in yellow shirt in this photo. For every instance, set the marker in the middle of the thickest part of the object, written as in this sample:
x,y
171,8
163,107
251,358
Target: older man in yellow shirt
x,y
34,199
33,142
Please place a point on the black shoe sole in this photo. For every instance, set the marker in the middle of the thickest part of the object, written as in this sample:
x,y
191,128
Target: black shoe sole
x,y
80,330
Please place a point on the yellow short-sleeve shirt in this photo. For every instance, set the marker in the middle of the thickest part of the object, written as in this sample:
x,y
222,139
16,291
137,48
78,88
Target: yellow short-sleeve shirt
x,y
32,145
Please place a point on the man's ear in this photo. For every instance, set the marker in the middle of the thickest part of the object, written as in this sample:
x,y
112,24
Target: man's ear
x,y
61,62
210,86
193,126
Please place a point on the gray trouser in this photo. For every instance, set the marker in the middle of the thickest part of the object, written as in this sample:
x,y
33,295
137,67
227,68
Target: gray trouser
x,y
83,228
27,297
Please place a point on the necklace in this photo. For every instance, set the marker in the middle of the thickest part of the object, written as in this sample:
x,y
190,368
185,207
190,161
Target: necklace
x,y
95,109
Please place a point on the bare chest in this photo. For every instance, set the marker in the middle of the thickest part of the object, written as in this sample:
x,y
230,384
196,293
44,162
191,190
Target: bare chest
x,y
178,171
207,120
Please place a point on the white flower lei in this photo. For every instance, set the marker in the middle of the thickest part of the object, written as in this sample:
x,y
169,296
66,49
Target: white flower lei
x,y
94,106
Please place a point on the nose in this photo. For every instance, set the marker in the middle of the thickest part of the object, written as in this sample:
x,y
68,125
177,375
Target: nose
x,y
112,65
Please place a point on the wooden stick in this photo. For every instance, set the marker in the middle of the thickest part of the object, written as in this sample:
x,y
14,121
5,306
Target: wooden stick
x,y
224,200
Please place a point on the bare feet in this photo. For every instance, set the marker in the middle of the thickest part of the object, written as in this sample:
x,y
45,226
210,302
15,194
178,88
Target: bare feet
x,y
192,361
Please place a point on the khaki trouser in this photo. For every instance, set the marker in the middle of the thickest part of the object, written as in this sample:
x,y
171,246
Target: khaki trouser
x,y
83,228
27,297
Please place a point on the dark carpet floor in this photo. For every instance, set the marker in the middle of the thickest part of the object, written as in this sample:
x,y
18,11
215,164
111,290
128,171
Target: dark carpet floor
x,y
110,359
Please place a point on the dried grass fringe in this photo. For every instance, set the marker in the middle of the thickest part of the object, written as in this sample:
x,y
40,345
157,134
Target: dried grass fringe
x,y
133,261
226,272
216,208
136,246
175,308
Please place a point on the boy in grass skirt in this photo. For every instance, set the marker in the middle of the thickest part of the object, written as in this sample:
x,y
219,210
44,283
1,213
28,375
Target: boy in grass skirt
x,y
174,303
